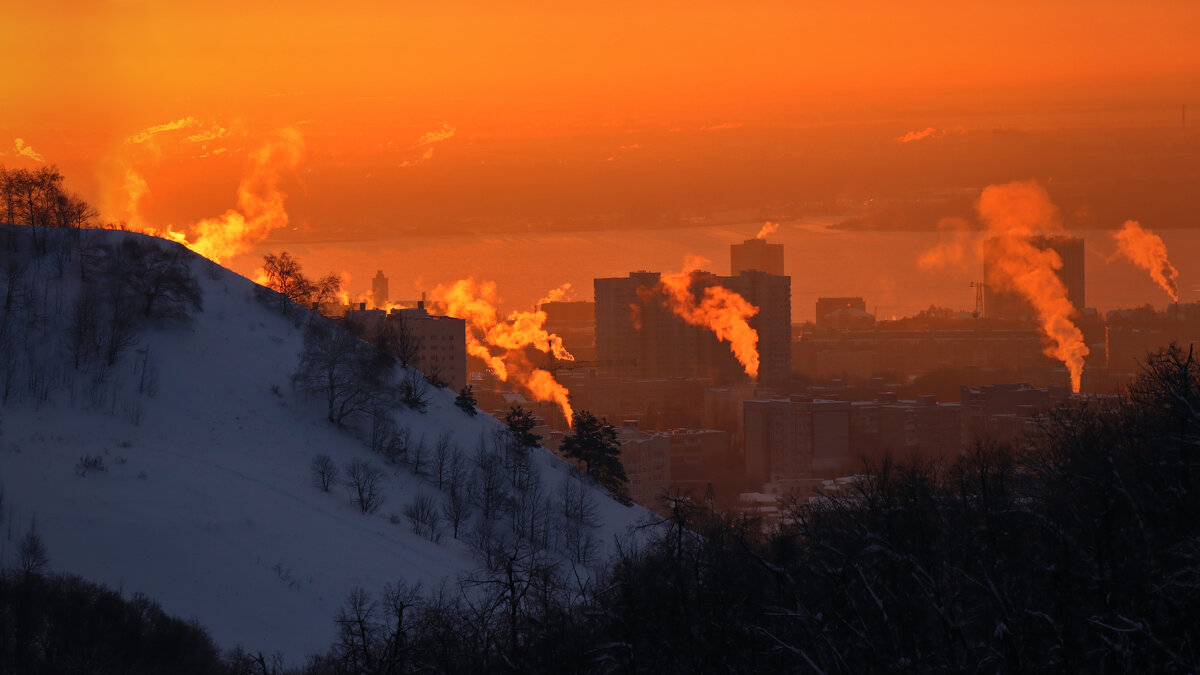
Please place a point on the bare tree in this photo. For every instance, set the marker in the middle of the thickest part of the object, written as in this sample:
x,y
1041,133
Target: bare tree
x,y
456,507
400,340
443,451
119,327
324,471
487,488
31,554
578,518
423,516
84,332
365,483
414,390
14,275
383,428
340,368
326,288
285,277
416,456
359,632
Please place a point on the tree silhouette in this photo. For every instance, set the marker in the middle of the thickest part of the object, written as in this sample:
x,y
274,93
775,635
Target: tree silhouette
x,y
285,277
466,400
594,442
340,368
520,427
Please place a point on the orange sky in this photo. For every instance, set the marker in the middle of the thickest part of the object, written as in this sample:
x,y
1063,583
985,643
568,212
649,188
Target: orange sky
x,y
124,64
562,113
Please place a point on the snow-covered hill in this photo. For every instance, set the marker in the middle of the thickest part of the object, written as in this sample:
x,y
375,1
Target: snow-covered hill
x,y
182,471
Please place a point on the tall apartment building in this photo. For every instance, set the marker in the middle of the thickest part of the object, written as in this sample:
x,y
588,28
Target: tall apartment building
x,y
441,344
1002,301
795,438
803,439
772,295
379,290
756,254
638,335
901,429
438,343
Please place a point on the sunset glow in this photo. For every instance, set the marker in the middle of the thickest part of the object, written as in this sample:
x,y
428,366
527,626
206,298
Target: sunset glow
x,y
599,336
438,143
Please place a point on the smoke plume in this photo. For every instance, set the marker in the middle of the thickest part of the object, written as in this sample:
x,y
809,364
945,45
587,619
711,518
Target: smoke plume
x,y
1147,250
260,206
127,186
476,304
559,294
950,254
1013,214
768,228
718,309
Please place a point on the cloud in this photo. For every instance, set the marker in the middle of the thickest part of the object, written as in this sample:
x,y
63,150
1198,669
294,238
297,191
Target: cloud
x,y
152,131
212,133
204,131
929,132
427,141
27,151
436,136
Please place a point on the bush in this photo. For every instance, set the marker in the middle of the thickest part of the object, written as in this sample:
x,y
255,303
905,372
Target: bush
x,y
90,463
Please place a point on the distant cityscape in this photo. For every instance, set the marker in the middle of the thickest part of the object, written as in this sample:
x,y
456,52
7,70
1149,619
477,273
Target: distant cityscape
x,y
829,395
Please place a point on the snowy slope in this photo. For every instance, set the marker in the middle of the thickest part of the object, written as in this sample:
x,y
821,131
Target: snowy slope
x,y
207,504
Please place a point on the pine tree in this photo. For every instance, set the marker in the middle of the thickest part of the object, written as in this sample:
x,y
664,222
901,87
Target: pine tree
x,y
594,442
520,426
466,400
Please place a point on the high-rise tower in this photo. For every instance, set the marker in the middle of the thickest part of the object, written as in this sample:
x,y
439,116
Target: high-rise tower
x,y
379,290
756,254
1002,301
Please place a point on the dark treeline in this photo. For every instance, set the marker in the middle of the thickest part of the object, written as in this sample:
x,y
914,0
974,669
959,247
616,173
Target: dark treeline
x,y
1078,552
59,625
37,198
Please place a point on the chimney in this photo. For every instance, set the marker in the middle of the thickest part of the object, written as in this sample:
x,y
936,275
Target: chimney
x,y
421,302
362,306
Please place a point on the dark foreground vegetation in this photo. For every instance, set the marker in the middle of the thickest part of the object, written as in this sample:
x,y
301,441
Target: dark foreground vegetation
x,y
1078,552
59,625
